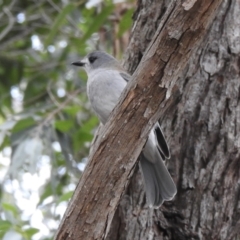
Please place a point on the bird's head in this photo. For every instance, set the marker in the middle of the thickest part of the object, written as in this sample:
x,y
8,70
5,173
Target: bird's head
x,y
98,60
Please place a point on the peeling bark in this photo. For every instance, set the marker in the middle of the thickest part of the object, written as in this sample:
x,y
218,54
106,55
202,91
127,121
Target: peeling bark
x,y
202,126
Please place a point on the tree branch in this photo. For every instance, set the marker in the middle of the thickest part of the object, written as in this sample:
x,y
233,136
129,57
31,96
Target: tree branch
x,y
111,165
10,22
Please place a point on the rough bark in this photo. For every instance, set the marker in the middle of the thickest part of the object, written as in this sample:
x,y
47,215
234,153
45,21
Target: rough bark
x,y
92,207
202,126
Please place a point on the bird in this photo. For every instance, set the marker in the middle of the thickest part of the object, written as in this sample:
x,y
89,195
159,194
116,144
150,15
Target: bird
x,y
106,81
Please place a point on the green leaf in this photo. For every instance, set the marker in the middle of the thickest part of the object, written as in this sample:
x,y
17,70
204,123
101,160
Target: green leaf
x,y
46,193
125,22
11,208
58,23
90,124
84,133
97,22
63,125
4,128
30,232
5,226
23,124
80,137
84,136
72,110
65,197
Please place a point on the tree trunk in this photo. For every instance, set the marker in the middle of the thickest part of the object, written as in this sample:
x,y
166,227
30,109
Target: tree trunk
x,y
202,126
91,210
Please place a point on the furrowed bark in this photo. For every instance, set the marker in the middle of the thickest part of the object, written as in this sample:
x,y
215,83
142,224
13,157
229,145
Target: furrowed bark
x,y
202,127
90,212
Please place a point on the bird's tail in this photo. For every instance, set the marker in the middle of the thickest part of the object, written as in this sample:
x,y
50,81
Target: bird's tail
x,y
158,182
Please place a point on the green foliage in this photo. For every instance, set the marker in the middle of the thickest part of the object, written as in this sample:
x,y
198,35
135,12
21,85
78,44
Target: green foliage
x,y
10,208
28,233
58,22
64,125
23,124
46,122
125,22
96,22
15,224
5,226
65,197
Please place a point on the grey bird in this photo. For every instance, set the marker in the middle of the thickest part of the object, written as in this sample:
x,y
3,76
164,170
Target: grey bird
x,y
106,81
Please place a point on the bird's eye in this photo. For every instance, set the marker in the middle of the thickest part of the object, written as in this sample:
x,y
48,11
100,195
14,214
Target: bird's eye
x,y
92,59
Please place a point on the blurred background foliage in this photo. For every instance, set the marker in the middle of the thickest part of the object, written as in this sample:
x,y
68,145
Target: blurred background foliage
x,y
46,124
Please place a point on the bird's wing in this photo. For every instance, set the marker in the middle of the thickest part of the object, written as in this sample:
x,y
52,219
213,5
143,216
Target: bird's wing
x,y
162,144
125,76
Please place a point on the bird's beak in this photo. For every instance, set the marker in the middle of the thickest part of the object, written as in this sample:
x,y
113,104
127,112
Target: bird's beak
x,y
78,63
